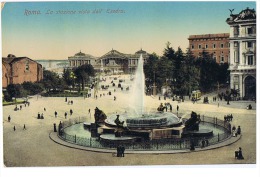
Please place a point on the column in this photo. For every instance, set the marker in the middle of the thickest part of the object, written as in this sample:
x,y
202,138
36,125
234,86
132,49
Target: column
x,y
241,86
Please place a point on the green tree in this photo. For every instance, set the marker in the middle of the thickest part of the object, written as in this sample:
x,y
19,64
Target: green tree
x,y
50,80
67,77
32,88
15,91
83,74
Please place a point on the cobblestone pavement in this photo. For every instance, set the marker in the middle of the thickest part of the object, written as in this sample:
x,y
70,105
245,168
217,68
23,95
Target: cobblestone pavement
x,y
33,147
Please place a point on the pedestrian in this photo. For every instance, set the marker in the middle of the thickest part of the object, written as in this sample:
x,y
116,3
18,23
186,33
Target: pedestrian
x,y
55,113
159,98
71,112
123,151
42,116
9,118
65,115
207,142
24,128
71,102
114,98
21,107
240,155
39,116
203,143
118,151
89,111
44,109
177,108
14,128
238,130
170,108
66,99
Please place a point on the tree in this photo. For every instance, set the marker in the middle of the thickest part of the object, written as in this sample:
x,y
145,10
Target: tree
x,y
32,88
15,91
50,80
67,77
83,74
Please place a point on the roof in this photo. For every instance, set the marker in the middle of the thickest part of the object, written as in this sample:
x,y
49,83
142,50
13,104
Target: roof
x,y
11,59
209,36
114,54
82,56
245,15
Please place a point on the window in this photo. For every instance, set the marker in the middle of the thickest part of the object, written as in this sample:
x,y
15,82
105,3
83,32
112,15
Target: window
x,y
221,45
250,30
199,46
235,44
27,65
222,59
236,30
206,46
249,44
192,46
250,60
214,46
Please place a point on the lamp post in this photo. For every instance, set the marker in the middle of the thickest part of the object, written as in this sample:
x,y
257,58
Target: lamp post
x,y
154,86
228,93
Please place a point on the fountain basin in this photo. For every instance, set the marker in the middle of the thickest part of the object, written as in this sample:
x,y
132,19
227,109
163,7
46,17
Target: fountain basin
x,y
146,120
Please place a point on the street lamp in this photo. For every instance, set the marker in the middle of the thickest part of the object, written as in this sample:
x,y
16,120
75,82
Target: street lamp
x,y
228,93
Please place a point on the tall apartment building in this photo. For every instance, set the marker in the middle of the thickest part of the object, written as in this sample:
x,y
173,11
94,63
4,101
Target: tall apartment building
x,y
216,45
243,52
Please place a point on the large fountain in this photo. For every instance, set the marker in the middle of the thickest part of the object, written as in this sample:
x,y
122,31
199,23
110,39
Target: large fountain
x,y
140,128
138,122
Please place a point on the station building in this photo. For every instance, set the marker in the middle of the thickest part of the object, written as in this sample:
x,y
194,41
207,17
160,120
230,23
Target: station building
x,y
242,64
113,61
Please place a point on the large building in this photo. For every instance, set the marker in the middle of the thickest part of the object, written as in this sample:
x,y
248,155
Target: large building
x,y
113,61
16,70
216,45
243,52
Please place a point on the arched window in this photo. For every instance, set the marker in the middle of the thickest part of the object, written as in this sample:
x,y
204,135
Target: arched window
x,y
27,66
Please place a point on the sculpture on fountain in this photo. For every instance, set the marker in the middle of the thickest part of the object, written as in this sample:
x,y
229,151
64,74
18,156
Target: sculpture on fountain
x,y
99,115
192,124
119,123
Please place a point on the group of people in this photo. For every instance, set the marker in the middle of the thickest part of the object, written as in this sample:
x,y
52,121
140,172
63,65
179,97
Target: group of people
x,y
120,151
228,117
204,143
236,131
214,99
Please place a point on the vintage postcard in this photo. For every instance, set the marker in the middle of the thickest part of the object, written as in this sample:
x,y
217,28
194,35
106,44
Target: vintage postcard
x,y
128,83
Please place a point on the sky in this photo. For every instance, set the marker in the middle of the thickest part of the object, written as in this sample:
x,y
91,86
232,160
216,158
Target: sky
x,y
39,31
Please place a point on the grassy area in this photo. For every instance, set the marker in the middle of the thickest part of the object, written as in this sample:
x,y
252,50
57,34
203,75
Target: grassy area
x,y
5,103
66,93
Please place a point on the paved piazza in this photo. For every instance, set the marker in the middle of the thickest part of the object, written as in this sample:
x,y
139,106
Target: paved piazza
x,y
33,147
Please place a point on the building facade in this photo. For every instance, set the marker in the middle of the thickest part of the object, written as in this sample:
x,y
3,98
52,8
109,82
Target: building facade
x,y
243,52
216,45
81,58
113,61
16,70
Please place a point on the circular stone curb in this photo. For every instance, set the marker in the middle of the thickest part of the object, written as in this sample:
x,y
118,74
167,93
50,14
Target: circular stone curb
x,y
54,137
